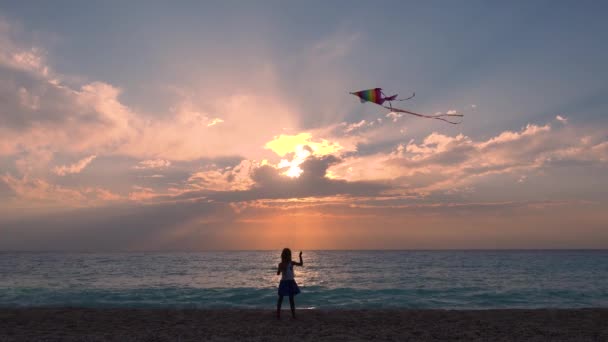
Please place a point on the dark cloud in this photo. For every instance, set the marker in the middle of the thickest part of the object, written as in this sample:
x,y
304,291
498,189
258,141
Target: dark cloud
x,y
313,182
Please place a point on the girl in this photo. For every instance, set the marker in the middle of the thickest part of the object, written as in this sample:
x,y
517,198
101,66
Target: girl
x,y
287,286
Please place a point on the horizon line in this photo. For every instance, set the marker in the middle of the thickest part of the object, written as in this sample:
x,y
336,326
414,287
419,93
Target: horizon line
x,y
315,250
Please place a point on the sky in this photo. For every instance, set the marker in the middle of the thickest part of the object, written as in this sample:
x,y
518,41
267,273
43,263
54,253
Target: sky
x,y
186,126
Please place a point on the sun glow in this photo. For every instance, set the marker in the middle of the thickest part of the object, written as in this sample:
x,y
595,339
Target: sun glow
x,y
302,146
293,167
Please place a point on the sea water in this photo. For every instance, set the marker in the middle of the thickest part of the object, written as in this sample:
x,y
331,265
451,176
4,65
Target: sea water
x,y
328,280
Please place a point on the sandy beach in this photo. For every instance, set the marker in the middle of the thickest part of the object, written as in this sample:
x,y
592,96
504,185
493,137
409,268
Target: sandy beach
x,y
71,324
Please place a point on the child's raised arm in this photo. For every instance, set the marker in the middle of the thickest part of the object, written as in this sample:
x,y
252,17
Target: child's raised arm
x,y
301,263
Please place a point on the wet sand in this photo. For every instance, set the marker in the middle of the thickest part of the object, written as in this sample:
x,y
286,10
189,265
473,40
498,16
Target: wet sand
x,y
71,324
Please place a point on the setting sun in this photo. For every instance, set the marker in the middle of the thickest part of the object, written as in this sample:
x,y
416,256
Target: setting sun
x,y
300,146
293,167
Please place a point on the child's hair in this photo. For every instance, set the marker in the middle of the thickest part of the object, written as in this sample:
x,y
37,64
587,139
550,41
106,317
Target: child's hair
x,y
286,255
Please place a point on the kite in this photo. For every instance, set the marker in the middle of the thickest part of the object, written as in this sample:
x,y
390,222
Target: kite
x,y
377,96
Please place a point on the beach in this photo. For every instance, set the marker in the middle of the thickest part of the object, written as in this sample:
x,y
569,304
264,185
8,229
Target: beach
x,y
231,295
80,324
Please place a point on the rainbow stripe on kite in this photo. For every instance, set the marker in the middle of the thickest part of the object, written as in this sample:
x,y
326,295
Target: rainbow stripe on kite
x,y
370,95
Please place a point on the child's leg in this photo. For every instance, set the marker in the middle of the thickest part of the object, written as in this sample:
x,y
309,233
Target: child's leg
x,y
293,306
279,303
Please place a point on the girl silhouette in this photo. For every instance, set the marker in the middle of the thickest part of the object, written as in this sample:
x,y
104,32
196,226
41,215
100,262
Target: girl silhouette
x,y
287,286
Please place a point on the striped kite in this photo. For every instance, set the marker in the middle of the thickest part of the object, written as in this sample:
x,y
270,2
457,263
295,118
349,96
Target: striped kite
x,y
377,96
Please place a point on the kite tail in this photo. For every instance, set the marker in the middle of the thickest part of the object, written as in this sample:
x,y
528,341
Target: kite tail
x,y
409,98
390,98
394,97
436,117
442,117
448,121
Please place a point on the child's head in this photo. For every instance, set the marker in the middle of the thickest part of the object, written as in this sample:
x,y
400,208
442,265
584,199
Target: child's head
x,y
286,255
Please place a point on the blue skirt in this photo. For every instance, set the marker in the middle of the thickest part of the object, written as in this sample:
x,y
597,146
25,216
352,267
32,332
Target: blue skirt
x,y
288,288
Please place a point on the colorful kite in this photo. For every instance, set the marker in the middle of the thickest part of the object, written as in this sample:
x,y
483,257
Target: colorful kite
x,y
377,96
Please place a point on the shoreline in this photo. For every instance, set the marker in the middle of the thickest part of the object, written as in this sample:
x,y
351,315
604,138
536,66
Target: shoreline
x,y
78,324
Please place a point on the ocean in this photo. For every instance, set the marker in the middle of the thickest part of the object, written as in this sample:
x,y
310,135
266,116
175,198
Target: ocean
x,y
328,280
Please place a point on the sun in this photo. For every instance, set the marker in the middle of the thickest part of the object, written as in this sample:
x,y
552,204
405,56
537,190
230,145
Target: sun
x,y
293,171
301,146
293,167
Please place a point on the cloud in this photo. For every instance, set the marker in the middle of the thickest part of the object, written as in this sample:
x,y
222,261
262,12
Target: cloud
x,y
442,162
313,182
43,112
394,116
354,126
123,227
41,115
6,192
199,225
74,168
268,182
155,176
561,119
507,136
214,122
153,164
223,179
29,101
17,55
32,193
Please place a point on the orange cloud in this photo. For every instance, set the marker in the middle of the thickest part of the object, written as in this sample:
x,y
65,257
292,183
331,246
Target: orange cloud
x,y
153,164
38,193
74,168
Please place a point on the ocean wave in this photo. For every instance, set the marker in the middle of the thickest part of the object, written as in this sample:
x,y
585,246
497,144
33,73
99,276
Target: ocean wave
x,y
312,297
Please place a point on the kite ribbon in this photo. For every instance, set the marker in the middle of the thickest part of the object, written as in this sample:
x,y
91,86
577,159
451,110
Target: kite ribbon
x,y
394,97
437,117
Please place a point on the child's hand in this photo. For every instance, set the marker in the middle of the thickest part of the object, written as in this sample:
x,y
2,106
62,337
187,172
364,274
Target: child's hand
x,y
300,254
